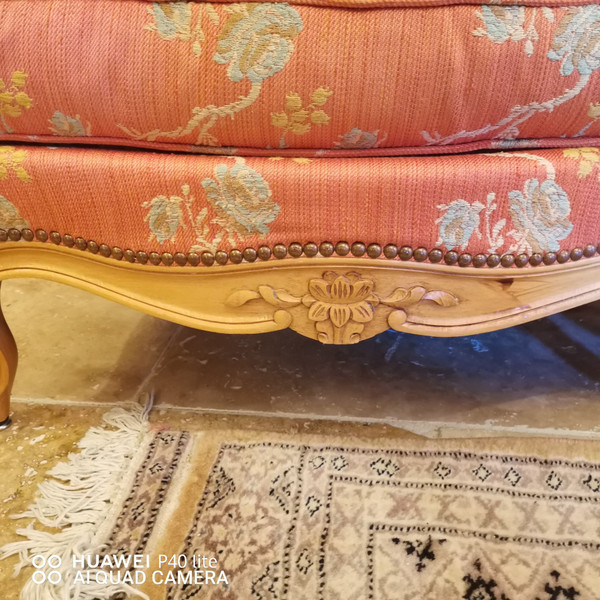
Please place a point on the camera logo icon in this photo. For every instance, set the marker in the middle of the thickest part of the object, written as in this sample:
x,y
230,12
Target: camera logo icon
x,y
41,562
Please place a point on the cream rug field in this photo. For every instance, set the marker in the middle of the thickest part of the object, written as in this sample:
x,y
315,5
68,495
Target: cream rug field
x,y
232,514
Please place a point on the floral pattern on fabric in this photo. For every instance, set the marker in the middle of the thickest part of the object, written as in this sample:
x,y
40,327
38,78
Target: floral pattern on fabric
x,y
175,21
256,42
576,45
589,160
539,214
240,198
297,118
13,100
504,23
11,161
64,125
10,217
357,139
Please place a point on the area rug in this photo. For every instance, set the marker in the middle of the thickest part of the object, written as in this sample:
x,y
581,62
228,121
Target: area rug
x,y
222,515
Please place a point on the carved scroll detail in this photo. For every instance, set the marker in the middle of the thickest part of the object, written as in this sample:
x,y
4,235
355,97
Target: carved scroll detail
x,y
340,305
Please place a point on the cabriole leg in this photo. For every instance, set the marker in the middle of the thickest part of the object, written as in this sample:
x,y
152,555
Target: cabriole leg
x,y
8,368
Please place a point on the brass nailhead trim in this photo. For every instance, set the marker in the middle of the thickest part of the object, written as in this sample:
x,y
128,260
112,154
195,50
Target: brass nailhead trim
x,y
207,258
358,249
391,251
180,259
326,249
536,259
420,254
221,257
264,253
464,260
451,257
479,260
373,250
279,251
249,254
309,249
14,235
342,248
235,256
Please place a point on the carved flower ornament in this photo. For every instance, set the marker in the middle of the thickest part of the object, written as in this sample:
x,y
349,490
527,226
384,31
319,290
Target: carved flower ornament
x,y
340,305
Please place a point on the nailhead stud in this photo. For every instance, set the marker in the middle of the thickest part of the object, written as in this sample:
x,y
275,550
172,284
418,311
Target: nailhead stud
x,y
93,247
193,259
465,259
451,257
154,258
420,254
390,251
295,250
141,257
3,235
250,254
221,257
436,255
55,237
167,259
522,260
326,249
41,235
264,253
536,259
493,260
576,253
68,240
236,257
14,235
549,258
508,260
562,256
129,256
358,249
180,259
117,253
104,249
311,249
589,250
374,250
207,258
342,248
81,243
405,253
28,235
479,260
280,251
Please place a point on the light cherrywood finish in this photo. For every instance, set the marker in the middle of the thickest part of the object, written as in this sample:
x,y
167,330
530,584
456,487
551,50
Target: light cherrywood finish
x,y
420,298
8,367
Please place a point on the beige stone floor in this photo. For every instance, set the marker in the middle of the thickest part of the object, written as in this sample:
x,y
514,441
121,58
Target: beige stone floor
x,y
541,378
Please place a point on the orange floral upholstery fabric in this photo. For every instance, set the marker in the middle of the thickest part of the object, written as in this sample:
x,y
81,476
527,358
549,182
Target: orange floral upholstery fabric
x,y
503,202
299,79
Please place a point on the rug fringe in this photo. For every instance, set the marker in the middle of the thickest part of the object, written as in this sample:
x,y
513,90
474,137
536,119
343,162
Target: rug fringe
x,y
77,501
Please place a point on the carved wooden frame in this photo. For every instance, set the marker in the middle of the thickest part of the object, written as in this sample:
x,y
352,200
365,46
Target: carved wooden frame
x,y
335,300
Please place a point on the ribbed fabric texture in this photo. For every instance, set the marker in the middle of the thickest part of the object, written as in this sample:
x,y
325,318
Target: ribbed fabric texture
x,y
298,80
501,202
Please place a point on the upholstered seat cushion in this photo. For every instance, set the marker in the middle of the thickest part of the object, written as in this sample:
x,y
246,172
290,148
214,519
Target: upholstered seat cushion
x,y
490,204
300,79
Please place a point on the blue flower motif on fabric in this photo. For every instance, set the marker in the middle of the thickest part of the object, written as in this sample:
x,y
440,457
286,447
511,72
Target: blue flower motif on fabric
x,y
460,221
540,214
577,41
257,40
242,199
